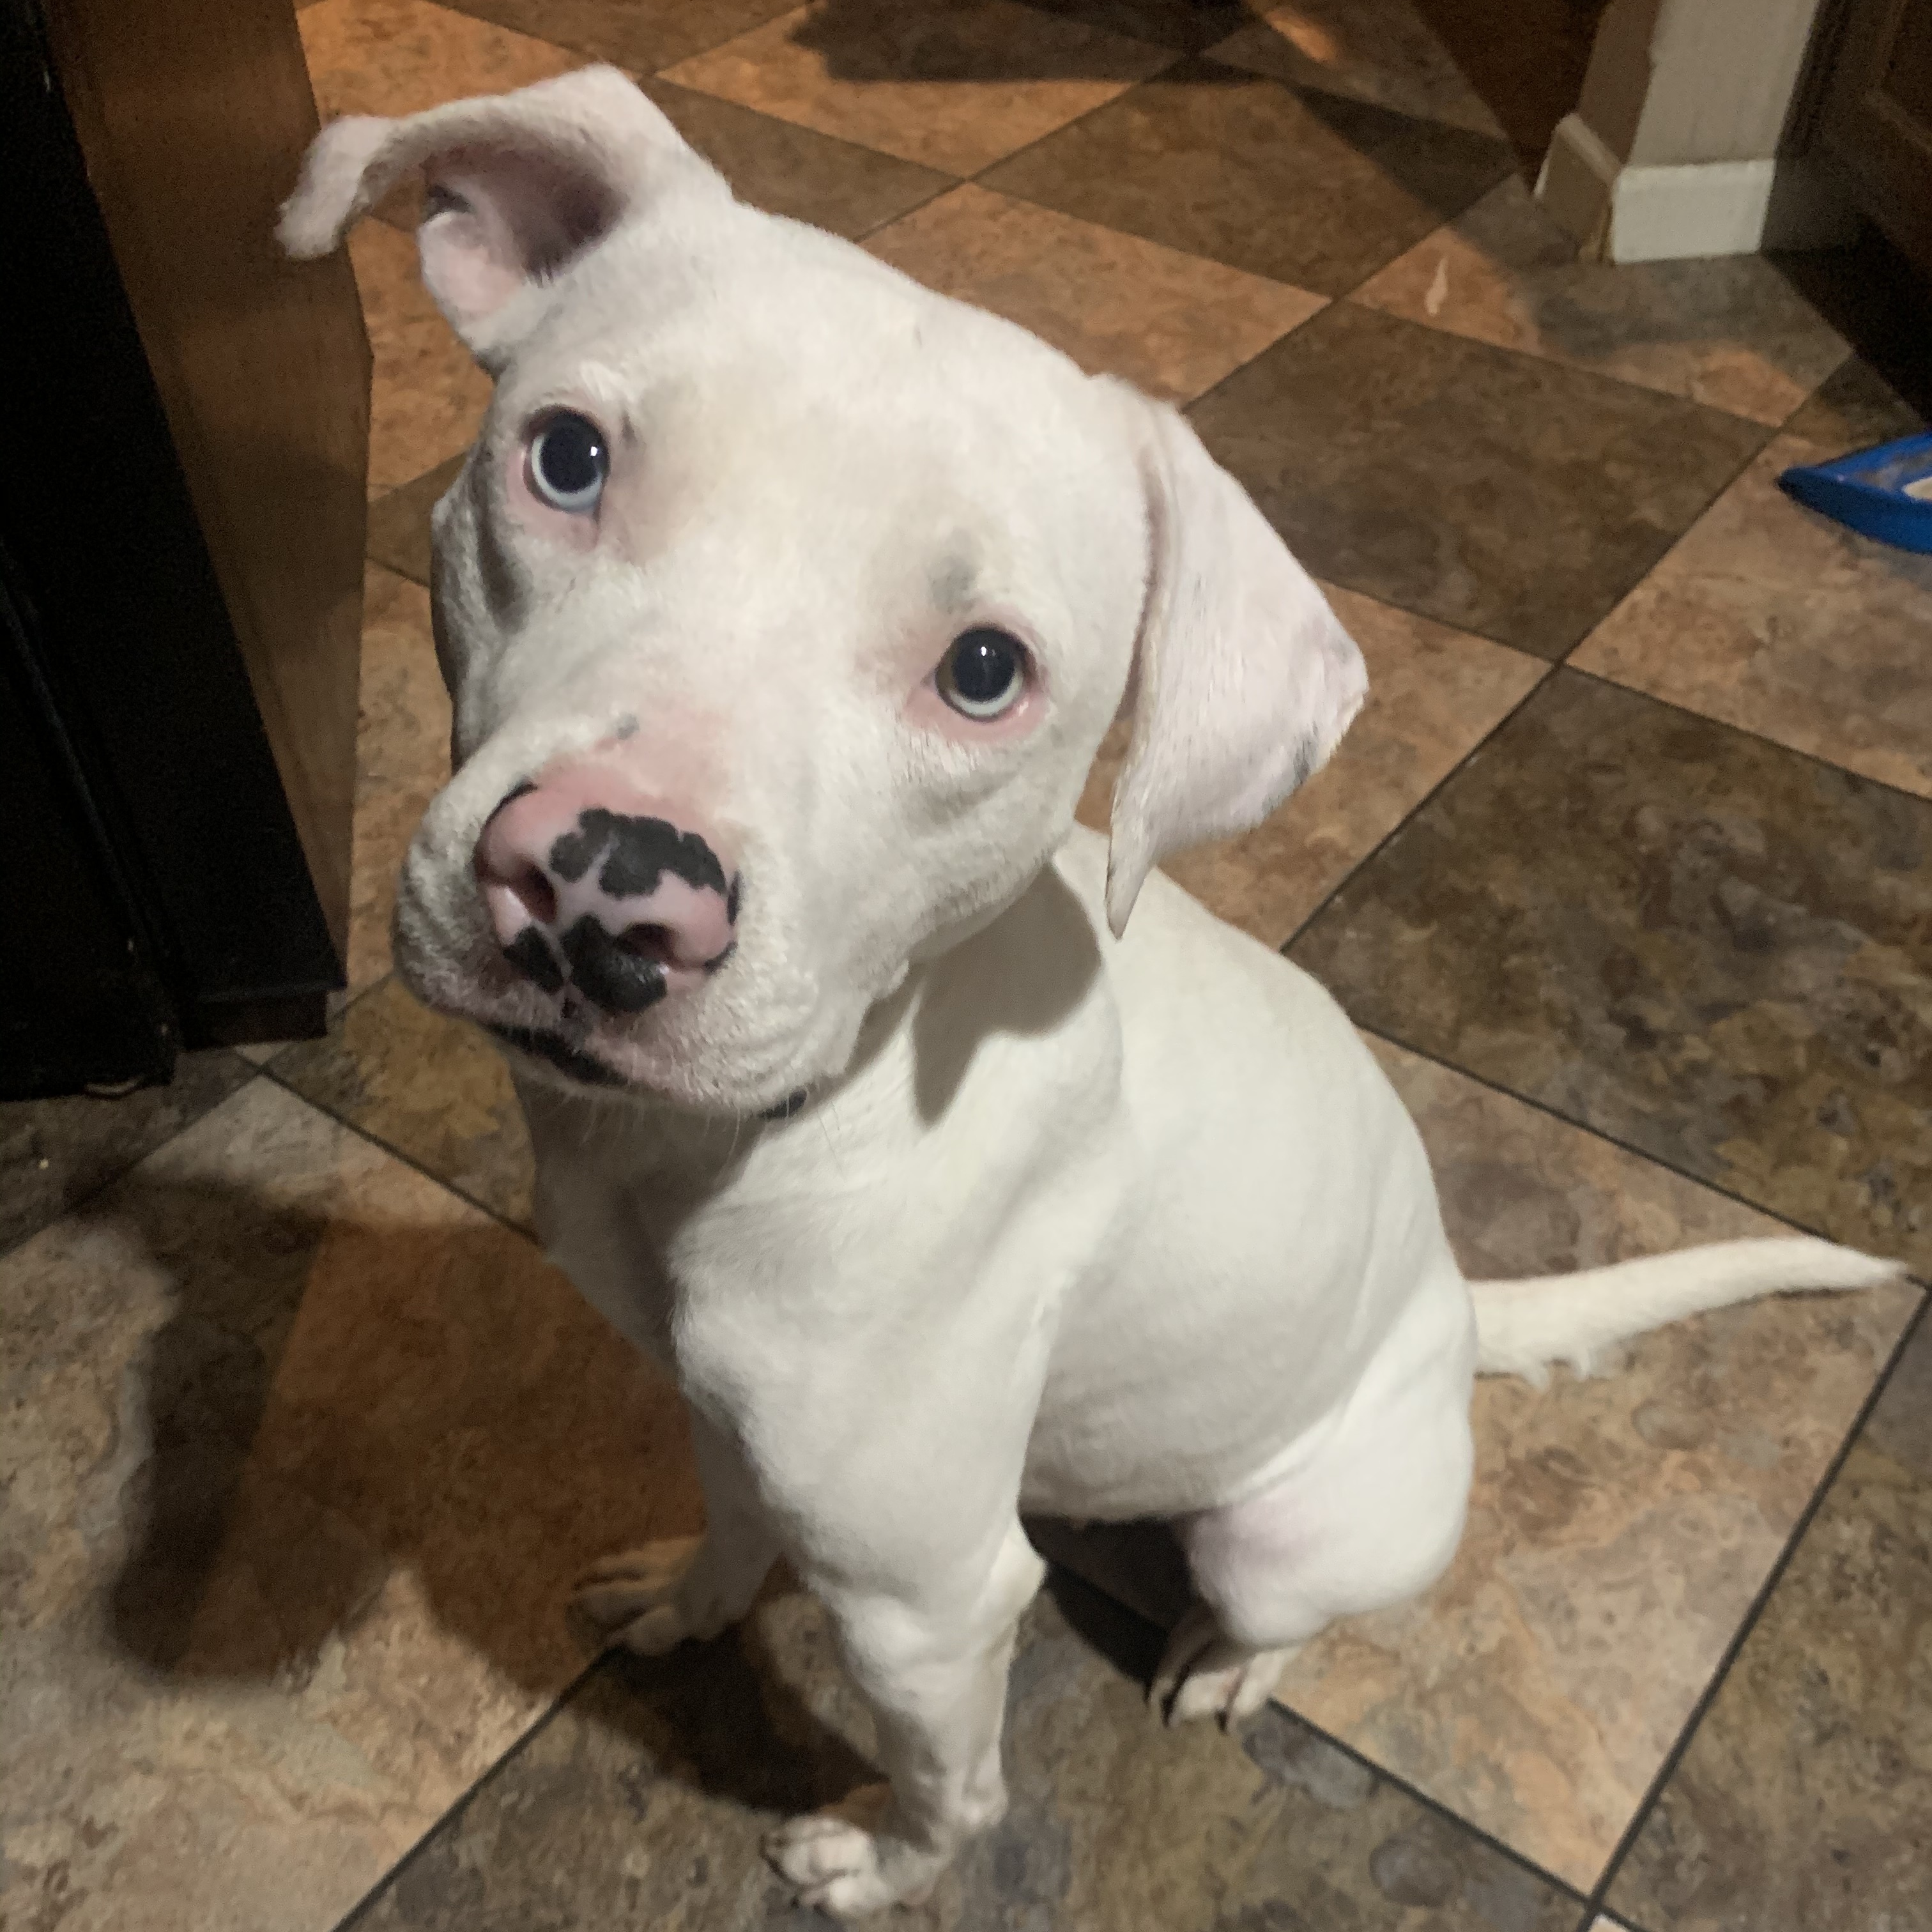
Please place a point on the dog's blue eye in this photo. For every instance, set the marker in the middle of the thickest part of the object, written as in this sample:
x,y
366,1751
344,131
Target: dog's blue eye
x,y
984,674
569,463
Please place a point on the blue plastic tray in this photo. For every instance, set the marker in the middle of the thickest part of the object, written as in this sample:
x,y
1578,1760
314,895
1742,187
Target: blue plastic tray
x,y
1884,492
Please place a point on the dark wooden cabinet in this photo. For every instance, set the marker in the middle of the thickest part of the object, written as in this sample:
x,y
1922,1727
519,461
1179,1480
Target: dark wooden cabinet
x,y
181,523
1874,117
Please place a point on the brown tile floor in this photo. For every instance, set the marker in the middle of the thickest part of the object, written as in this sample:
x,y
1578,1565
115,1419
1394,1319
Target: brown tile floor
x,y
1626,868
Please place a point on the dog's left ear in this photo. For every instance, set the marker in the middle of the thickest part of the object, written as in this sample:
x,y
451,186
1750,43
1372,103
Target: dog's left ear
x,y
1243,681
519,186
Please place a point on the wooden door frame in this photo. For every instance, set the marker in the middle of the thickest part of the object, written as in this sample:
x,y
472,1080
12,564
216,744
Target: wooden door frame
x,y
1847,91
133,637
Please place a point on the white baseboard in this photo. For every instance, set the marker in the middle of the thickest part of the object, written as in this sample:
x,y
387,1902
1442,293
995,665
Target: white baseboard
x,y
1650,213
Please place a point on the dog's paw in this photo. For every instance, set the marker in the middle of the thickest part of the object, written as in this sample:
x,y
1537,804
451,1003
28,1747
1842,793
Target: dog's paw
x,y
1589,1365
651,1600
1204,1674
843,1863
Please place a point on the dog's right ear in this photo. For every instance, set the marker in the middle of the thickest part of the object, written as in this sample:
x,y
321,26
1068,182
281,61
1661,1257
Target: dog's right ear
x,y
518,186
1243,681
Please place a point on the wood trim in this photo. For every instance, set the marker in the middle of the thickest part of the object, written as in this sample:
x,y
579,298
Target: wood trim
x,y
1886,158
193,117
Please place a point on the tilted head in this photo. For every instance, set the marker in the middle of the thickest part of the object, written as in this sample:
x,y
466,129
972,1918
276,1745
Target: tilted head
x,y
783,604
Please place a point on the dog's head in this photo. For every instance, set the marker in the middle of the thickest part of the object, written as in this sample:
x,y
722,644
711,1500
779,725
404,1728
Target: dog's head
x,y
783,604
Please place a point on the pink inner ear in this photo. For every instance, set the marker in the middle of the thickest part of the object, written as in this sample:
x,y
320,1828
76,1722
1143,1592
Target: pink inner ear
x,y
470,272
499,220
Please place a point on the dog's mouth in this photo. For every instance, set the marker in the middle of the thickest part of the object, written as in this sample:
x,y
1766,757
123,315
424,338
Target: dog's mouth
x,y
570,1058
563,1055
662,1058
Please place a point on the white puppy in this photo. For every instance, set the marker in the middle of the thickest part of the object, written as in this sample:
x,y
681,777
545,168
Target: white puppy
x,y
784,604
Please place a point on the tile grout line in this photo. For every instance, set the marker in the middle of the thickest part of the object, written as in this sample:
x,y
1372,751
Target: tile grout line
x,y
399,1155
1817,758
67,1208
1328,898
1328,302
1553,1112
1670,549
1771,430
1435,1806
1439,1807
1176,57
884,222
1529,357
514,1749
1923,1282
1402,824
265,1072
1380,595
500,1766
1768,434
1674,1757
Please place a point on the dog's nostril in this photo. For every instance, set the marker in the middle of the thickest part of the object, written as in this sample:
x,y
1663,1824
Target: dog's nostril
x,y
533,887
654,942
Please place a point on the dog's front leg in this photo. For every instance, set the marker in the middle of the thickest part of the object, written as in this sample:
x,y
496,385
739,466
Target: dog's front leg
x,y
934,1670
652,1598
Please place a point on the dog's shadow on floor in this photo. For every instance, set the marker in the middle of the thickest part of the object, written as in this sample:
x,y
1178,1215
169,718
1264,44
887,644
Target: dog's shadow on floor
x,y
281,1469
290,1449
889,40
762,1718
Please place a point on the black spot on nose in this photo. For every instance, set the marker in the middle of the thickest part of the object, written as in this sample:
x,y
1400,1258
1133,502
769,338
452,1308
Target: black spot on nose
x,y
610,974
532,958
636,853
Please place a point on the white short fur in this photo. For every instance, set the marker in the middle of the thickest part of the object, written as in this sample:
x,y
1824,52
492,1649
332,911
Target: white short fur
x,y
1085,1215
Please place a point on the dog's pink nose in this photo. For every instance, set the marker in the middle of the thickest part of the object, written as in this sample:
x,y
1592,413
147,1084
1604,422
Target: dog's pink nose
x,y
589,880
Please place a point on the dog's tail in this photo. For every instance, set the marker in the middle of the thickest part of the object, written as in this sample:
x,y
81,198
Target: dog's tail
x,y
1522,1326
